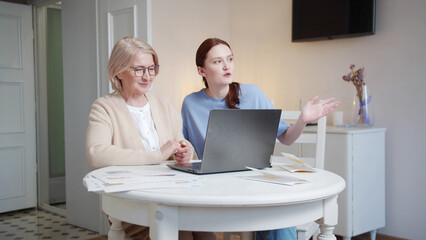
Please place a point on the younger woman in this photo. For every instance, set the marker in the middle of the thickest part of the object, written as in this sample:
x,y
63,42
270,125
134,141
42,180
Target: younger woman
x,y
215,63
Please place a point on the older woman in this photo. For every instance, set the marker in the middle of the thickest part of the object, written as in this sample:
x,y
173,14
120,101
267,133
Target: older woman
x,y
135,125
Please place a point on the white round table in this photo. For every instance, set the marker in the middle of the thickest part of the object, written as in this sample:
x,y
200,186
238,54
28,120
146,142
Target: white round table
x,y
225,203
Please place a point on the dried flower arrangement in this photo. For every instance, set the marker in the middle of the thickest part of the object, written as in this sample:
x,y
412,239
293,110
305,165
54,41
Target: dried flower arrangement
x,y
357,78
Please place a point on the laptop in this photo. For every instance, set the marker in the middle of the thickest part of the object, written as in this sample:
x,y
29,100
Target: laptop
x,y
236,138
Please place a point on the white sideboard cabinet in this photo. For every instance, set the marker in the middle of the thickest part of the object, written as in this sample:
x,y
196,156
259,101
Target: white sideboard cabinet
x,y
358,155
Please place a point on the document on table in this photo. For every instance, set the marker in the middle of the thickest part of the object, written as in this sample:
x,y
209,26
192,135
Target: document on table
x,y
126,180
298,167
267,176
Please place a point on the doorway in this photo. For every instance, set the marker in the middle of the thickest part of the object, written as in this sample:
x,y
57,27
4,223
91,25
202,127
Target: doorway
x,y
50,114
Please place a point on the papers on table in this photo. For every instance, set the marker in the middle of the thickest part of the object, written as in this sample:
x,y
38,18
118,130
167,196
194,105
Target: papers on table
x,y
116,180
298,167
277,178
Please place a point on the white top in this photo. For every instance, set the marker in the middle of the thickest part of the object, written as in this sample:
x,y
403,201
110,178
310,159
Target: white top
x,y
145,125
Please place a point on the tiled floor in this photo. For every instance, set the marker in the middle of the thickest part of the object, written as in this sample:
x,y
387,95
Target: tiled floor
x,y
33,224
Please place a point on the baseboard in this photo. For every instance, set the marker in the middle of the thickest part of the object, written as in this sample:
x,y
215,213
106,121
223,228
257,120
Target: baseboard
x,y
57,190
380,236
366,236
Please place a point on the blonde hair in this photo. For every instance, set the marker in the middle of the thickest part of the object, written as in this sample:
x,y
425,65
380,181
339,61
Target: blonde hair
x,y
122,56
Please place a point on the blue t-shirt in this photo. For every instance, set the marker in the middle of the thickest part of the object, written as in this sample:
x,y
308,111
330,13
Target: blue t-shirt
x,y
196,110
195,115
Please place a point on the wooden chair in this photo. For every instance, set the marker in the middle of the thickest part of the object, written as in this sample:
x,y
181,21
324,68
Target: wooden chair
x,y
304,144
312,144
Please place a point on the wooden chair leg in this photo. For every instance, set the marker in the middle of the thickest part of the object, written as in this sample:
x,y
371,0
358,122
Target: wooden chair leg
x,y
246,236
243,235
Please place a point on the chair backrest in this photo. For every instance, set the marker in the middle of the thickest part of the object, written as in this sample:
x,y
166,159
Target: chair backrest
x,y
310,138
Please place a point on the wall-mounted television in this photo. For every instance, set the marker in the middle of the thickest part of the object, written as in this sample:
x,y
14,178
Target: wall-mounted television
x,y
328,19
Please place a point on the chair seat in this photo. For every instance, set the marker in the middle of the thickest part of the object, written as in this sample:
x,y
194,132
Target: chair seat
x,y
305,231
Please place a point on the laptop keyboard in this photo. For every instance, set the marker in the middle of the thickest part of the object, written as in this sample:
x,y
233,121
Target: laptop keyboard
x,y
196,166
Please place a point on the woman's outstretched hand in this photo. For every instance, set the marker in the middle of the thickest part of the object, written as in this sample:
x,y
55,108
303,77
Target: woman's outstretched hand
x,y
314,110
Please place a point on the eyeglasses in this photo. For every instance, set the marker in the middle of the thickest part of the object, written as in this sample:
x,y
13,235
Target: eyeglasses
x,y
140,70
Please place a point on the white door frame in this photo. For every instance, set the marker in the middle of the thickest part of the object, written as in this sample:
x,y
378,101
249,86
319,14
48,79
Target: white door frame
x,y
39,19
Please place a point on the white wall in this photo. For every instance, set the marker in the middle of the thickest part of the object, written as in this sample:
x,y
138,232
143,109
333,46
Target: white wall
x,y
178,28
260,35
80,90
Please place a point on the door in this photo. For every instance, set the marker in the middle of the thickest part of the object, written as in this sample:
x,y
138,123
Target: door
x,y
17,109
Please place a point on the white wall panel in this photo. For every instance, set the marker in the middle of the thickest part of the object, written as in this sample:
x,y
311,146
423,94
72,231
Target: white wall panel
x,y
12,112
13,158
120,23
10,49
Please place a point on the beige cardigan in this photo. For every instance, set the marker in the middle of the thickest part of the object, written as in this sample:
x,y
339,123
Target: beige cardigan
x,y
113,139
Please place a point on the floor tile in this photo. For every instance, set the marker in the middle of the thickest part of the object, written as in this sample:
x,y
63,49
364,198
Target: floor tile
x,y
33,224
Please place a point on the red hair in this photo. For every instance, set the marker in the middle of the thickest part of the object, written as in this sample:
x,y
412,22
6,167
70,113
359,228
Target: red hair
x,y
232,99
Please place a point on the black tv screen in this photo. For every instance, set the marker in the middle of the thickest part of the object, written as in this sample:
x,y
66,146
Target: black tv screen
x,y
327,19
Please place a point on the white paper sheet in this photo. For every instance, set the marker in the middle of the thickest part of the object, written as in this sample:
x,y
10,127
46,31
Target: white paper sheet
x,y
126,180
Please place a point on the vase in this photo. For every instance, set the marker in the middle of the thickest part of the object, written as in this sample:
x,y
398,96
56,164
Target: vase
x,y
362,114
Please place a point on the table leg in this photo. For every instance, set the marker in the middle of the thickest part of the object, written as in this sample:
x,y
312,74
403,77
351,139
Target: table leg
x,y
164,222
326,232
329,220
373,234
116,231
